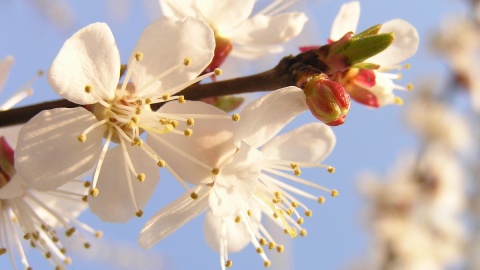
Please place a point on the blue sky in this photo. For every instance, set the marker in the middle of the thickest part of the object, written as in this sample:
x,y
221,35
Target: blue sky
x,y
369,140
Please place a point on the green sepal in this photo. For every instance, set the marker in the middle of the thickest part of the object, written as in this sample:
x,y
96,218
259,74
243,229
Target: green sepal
x,y
364,65
358,50
228,103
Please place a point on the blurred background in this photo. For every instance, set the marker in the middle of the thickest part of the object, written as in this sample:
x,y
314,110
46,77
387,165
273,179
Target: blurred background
x,y
405,173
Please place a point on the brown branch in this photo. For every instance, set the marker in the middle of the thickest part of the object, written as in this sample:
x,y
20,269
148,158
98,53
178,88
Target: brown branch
x,y
284,74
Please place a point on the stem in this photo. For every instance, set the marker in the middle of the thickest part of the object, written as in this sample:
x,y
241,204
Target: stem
x,y
283,75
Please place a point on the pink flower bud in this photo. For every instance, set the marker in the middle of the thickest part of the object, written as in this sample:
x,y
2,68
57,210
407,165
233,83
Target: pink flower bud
x,y
328,101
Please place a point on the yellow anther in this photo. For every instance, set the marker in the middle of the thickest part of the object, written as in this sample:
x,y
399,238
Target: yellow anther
x,y
218,72
190,122
300,221
93,192
215,171
187,61
63,250
321,199
174,123
32,244
294,204
163,121
407,66
35,235
88,88
271,245
98,234
188,132
277,194
165,96
334,193
29,268
275,200
181,99
86,245
275,215
138,56
40,72
130,125
139,213
82,138
67,261
3,251
308,213
280,248
330,169
303,232
249,212
86,184
262,241
48,255
139,102
70,231
26,236
259,250
236,117
138,111
410,87
237,219
141,177
194,195
289,211
398,101
55,239
85,198
228,263
134,119
267,263
297,172
161,163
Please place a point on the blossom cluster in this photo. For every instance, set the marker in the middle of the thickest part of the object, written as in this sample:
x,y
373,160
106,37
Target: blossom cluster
x,y
129,126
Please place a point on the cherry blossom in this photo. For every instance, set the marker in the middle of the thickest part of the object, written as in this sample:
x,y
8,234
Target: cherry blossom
x,y
106,133
248,181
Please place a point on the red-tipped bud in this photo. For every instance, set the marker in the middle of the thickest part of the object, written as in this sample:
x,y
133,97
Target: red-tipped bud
x,y
328,101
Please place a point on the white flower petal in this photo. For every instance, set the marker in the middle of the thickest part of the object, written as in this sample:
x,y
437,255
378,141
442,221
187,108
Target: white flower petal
x,y
211,142
167,42
5,65
309,143
236,182
265,117
173,216
114,201
48,153
89,57
225,16
270,30
13,189
237,236
179,9
405,44
346,20
69,208
253,52
383,90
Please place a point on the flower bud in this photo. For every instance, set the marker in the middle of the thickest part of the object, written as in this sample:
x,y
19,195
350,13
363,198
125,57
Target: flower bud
x,y
328,101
